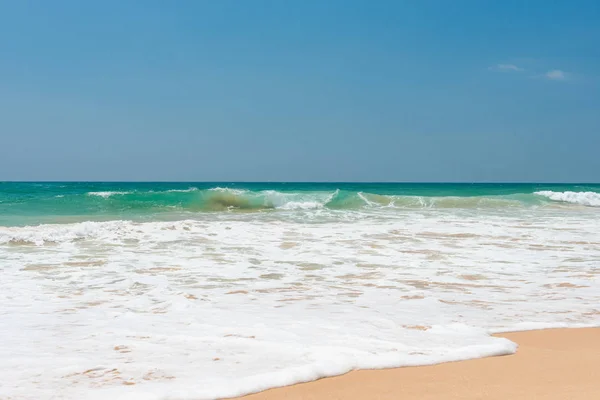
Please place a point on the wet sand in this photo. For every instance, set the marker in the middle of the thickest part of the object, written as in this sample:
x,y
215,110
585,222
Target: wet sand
x,y
554,364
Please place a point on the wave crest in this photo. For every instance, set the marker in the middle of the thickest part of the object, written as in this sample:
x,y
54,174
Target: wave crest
x,y
106,194
190,189
590,199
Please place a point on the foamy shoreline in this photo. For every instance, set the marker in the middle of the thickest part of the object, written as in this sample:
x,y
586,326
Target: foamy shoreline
x,y
200,309
549,364
206,305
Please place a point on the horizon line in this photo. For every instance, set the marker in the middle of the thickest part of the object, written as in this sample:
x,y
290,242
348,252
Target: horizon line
x,y
302,181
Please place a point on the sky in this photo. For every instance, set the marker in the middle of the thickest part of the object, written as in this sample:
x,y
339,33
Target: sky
x,y
300,90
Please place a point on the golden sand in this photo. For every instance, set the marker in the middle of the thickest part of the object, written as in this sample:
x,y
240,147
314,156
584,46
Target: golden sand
x,y
555,364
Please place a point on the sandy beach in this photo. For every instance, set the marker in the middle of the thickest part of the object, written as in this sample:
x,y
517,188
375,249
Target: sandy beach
x,y
550,364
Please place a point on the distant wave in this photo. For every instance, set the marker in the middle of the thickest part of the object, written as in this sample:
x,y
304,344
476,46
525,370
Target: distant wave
x,y
590,199
191,189
106,194
228,190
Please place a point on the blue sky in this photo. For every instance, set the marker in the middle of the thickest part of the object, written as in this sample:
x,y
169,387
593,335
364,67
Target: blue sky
x,y
300,90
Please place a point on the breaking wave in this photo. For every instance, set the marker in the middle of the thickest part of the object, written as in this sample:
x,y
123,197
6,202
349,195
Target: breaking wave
x,y
590,199
122,204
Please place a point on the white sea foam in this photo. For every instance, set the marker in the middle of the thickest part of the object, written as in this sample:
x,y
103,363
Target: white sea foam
x,y
64,233
229,190
106,194
190,189
301,205
234,303
363,198
298,200
591,199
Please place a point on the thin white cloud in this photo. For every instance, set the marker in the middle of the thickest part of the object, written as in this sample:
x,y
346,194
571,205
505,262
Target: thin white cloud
x,y
555,75
506,68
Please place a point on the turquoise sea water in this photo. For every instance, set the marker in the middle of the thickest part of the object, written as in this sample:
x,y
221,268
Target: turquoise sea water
x,y
42,202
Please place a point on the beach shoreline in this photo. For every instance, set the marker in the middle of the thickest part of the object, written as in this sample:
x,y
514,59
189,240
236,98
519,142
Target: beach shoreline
x,y
550,364
151,291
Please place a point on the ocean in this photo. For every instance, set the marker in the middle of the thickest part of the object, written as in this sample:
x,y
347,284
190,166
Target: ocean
x,y
209,290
